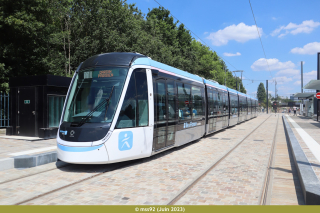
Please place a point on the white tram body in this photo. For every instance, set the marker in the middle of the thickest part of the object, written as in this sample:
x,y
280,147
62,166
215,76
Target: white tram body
x,y
125,106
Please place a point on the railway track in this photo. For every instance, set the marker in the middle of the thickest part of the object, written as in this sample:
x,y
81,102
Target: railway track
x,y
191,184
118,166
29,175
266,190
173,199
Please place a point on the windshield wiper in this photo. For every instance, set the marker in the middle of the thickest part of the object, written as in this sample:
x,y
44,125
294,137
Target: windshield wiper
x,y
89,115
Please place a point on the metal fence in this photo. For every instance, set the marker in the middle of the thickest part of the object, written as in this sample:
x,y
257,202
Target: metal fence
x,y
4,109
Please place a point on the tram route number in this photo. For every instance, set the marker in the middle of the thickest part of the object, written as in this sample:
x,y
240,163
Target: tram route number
x,y
160,209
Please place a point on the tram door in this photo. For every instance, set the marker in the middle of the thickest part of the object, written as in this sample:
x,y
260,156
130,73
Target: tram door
x,y
164,114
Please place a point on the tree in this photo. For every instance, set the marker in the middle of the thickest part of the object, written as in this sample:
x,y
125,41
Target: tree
x,y
24,30
261,93
54,36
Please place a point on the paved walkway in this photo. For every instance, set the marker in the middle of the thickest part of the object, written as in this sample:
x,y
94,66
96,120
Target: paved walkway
x,y
14,147
150,181
285,188
238,180
307,132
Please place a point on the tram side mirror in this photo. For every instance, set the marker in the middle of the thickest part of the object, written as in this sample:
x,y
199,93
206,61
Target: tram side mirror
x,y
155,72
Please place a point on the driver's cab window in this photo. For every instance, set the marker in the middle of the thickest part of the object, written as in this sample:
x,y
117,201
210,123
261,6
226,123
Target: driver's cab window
x,y
134,111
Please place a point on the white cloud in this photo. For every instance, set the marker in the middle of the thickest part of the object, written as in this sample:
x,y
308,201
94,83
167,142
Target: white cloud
x,y
282,80
240,33
310,49
232,54
281,35
288,72
307,76
274,64
274,18
284,90
297,83
305,27
205,33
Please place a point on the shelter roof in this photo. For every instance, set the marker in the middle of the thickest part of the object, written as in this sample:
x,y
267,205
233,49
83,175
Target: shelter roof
x,y
305,95
313,84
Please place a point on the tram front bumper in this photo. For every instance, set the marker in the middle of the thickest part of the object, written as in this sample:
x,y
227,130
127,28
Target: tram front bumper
x,y
83,155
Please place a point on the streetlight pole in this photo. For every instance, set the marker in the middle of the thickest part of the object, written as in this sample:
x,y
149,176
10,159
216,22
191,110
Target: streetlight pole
x,y
241,77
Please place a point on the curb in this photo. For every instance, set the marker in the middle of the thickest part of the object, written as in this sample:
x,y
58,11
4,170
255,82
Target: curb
x,y
309,181
6,163
28,161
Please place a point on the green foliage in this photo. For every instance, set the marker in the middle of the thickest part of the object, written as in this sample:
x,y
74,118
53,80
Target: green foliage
x,y
55,36
261,93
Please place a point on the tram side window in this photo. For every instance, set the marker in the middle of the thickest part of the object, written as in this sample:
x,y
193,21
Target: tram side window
x,y
219,104
224,108
227,103
142,98
210,102
240,104
134,110
215,102
234,105
184,96
198,102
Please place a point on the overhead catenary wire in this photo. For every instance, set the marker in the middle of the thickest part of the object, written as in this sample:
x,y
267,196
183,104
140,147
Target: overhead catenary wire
x,y
197,36
260,39
208,45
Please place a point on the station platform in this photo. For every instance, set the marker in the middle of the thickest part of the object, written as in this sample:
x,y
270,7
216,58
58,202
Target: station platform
x,y
14,147
304,136
308,138
261,155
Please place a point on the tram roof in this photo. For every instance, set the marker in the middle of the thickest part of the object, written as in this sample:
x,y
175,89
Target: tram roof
x,y
166,68
113,59
233,91
214,84
242,94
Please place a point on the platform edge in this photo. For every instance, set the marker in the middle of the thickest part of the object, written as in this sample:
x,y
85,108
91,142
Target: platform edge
x,y
309,182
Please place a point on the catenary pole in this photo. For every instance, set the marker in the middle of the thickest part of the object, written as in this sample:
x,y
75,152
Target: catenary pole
x,y
301,105
225,75
267,97
318,78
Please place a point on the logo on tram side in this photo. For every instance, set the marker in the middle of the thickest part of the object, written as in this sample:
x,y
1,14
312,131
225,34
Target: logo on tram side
x,y
64,132
187,125
125,140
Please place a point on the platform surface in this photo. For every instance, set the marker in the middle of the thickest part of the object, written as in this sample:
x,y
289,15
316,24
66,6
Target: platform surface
x,y
309,139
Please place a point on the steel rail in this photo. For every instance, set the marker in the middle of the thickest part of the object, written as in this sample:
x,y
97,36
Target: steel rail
x,y
265,189
192,183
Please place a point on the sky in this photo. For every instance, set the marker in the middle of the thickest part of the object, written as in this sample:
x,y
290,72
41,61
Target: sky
x,y
290,33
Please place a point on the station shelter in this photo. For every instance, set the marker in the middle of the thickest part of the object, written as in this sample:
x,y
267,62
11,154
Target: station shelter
x,y
315,85
309,100
36,104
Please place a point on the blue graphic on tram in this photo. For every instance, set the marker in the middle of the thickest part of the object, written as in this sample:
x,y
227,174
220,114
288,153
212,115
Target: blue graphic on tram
x,y
125,140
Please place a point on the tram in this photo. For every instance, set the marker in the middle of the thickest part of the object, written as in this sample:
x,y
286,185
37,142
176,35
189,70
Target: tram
x,y
125,106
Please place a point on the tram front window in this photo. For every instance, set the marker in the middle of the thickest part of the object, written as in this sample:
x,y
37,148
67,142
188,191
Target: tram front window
x,y
95,94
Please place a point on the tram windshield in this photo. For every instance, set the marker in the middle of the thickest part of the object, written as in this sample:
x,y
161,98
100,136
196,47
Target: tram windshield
x,y
95,94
